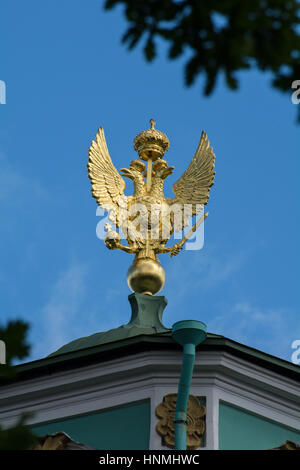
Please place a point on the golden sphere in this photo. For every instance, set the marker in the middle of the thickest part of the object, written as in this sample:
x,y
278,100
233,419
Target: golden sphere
x,y
146,277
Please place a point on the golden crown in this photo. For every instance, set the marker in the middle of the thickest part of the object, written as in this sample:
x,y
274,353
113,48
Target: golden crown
x,y
151,143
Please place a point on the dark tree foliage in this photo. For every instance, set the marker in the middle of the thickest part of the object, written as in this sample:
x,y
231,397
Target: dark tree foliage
x,y
222,35
14,336
19,436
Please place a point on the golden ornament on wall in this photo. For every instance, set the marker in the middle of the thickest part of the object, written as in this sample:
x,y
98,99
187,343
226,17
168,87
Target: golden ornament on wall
x,y
165,411
58,441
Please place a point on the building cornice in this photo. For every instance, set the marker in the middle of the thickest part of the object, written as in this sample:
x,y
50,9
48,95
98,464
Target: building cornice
x,y
142,343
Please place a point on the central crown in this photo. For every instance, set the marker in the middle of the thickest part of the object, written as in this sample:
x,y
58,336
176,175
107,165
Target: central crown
x,y
151,144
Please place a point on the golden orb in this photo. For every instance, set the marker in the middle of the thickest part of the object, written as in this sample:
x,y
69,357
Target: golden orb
x,y
146,276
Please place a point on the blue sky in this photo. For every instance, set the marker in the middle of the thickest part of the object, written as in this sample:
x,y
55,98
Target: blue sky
x,y
67,74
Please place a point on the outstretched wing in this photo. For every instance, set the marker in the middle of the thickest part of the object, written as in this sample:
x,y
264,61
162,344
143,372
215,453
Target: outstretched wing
x,y
107,184
194,185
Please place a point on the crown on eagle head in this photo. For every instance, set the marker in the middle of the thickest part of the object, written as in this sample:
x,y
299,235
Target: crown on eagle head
x,y
151,143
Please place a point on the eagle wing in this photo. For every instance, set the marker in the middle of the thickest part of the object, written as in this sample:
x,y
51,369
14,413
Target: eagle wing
x,y
107,184
194,185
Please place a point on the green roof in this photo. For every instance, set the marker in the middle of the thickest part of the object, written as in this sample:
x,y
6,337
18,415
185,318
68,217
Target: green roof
x,y
144,332
146,319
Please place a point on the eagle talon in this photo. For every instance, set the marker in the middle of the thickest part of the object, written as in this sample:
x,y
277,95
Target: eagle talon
x,y
175,250
112,244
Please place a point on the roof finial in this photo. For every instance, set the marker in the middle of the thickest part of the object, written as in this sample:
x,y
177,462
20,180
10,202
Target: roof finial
x,y
152,123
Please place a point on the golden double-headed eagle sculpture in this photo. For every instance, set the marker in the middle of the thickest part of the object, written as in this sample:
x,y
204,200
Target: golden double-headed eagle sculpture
x,y
148,218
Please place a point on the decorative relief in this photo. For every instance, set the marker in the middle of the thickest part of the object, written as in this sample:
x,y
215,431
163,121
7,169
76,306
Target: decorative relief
x,y
165,411
59,441
288,445
56,441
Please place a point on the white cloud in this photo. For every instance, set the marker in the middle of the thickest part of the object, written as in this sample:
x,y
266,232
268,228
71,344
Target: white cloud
x,y
64,306
203,270
73,310
268,329
16,187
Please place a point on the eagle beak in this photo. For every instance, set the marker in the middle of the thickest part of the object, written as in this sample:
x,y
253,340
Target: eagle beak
x,y
125,172
168,171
